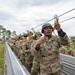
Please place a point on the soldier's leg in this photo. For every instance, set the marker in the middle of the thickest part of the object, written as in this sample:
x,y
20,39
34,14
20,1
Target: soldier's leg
x,y
29,62
23,59
35,68
21,56
28,66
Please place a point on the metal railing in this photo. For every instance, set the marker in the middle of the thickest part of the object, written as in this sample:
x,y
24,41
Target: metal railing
x,y
69,64
13,66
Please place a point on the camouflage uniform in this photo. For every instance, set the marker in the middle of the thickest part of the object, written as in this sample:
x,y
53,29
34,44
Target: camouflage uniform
x,y
10,42
28,55
13,41
49,57
62,50
21,52
35,64
17,48
69,51
22,55
74,53
13,47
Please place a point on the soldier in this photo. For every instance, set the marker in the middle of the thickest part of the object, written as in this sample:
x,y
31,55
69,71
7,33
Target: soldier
x,y
48,49
22,56
28,55
62,50
38,35
69,50
15,45
10,42
19,45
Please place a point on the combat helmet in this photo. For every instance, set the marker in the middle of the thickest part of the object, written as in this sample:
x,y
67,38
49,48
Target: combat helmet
x,y
46,25
25,34
39,33
29,32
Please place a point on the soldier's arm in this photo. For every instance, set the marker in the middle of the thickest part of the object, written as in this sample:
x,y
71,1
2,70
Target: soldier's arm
x,y
71,52
36,64
24,47
41,41
64,40
33,48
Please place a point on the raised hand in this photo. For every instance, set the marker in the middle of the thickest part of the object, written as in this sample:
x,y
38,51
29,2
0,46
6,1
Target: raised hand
x,y
42,40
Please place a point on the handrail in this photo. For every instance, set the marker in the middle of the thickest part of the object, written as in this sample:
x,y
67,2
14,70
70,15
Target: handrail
x,y
13,66
69,64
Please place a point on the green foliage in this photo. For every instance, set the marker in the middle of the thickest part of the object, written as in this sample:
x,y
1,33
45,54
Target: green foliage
x,y
73,39
72,46
6,33
1,59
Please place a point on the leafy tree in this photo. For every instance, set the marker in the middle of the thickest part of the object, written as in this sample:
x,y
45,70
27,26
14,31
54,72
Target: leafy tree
x,y
14,33
73,40
1,27
8,34
3,32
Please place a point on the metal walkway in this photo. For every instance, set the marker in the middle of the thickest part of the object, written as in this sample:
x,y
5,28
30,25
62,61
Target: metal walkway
x,y
14,66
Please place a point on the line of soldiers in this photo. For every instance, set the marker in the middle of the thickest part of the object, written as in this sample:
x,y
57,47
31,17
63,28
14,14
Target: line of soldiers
x,y
40,55
21,46
68,50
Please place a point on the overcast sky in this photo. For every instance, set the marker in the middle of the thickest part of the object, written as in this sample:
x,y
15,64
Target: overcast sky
x,y
22,15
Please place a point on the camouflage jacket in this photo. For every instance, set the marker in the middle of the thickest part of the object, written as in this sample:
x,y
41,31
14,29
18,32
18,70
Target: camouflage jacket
x,y
49,54
27,52
69,51
62,50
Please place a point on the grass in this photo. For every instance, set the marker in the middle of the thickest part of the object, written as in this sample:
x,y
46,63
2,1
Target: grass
x,y
1,59
72,46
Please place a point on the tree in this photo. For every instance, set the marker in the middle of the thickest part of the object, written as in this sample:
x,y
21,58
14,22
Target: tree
x,y
1,27
73,40
14,33
8,34
3,31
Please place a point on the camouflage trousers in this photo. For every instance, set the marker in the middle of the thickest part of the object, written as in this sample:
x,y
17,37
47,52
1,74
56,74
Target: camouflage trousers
x,y
35,68
22,60
28,66
22,57
57,73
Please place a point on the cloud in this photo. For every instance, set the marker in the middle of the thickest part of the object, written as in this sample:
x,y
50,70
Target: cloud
x,y
22,15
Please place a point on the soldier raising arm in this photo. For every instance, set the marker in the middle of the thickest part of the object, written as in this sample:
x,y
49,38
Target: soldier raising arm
x,y
48,48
